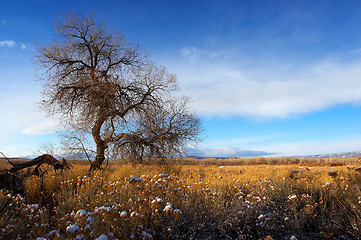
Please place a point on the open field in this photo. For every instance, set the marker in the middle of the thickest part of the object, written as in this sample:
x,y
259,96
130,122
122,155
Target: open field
x,y
190,199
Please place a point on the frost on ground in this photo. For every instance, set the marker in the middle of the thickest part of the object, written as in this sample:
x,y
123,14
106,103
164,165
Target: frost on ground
x,y
269,204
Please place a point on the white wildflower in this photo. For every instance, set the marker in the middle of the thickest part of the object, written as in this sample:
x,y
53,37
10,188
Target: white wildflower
x,y
168,207
80,213
146,235
102,237
134,214
177,211
332,173
72,228
123,214
292,197
157,200
134,179
53,232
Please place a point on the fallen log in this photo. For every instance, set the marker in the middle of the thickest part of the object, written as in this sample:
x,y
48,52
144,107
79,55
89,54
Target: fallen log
x,y
43,159
11,180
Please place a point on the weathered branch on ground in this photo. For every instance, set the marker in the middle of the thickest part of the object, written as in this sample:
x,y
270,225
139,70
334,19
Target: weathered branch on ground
x,y
11,180
43,159
6,158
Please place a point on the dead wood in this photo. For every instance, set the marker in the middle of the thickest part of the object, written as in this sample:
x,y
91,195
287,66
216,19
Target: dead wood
x,y
43,159
11,180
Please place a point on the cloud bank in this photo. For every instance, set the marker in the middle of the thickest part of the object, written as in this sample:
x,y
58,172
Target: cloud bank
x,y
265,89
226,151
310,147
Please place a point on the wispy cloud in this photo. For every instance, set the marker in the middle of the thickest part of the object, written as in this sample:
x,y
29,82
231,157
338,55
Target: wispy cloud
x,y
12,43
232,147
226,151
7,43
194,54
265,89
358,50
48,126
239,141
310,147
21,112
22,121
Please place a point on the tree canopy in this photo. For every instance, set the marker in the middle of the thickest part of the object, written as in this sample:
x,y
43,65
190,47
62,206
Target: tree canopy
x,y
107,88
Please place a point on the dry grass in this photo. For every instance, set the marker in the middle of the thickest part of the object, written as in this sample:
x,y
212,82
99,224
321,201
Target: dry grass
x,y
189,201
269,161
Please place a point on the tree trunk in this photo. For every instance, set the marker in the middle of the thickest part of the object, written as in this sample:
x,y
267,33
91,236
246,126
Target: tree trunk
x,y
101,145
99,158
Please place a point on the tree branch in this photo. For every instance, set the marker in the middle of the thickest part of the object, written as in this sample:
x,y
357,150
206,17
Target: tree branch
x,y
12,164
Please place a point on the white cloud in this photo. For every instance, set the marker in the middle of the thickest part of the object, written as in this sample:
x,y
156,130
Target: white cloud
x,y
226,151
7,43
315,146
11,43
267,89
193,53
231,147
46,127
21,112
239,141
21,120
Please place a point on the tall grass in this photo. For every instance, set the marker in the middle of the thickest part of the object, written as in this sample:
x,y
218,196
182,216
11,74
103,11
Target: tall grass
x,y
187,201
267,161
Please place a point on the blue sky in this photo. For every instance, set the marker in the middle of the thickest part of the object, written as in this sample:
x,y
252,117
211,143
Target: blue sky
x,y
278,77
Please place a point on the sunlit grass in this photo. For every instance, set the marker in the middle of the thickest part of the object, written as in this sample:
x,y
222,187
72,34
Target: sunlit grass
x,y
188,201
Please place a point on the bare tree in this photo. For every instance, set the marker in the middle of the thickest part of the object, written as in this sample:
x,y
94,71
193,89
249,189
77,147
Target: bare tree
x,y
106,88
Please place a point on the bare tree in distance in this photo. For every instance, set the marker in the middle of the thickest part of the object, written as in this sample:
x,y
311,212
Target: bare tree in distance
x,y
107,88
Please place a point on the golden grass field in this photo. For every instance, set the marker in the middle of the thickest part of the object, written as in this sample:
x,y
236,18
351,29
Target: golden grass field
x,y
190,199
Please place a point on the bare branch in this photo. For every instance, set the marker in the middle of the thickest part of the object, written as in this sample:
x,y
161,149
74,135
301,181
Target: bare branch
x,y
107,88
12,164
83,148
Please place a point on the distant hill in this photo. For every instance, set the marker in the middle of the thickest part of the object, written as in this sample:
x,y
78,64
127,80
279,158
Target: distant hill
x,y
331,155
